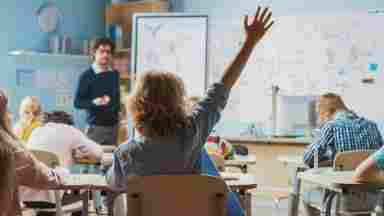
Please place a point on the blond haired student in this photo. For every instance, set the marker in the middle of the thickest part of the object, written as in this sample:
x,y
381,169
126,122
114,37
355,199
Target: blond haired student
x,y
341,130
30,112
28,171
171,138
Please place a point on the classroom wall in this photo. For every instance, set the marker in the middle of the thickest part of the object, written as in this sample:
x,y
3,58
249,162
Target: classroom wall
x,y
80,20
20,30
225,8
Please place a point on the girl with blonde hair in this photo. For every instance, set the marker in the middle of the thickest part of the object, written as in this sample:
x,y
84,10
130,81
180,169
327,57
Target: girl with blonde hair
x,y
30,113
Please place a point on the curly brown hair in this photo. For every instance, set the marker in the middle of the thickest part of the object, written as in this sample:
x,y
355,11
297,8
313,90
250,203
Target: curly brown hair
x,y
158,104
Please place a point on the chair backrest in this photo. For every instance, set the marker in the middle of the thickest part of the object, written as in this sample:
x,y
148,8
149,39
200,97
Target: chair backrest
x,y
48,158
186,195
349,160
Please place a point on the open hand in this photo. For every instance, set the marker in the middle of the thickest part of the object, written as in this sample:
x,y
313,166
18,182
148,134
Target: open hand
x,y
260,25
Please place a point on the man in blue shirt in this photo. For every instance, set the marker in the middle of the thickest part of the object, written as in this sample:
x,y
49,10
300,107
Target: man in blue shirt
x,y
341,130
98,92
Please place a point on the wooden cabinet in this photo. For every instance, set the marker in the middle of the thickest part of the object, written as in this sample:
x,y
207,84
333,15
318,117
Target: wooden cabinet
x,y
122,14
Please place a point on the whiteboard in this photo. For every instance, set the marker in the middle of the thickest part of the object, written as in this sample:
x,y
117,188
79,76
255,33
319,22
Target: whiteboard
x,y
305,55
174,43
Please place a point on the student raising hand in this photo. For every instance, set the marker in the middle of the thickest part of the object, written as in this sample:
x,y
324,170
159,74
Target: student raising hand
x,y
259,26
254,33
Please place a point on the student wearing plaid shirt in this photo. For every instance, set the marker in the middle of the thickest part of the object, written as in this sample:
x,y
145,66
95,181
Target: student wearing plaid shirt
x,y
341,130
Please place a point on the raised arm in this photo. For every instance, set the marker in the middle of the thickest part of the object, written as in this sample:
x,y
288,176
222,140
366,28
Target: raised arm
x,y
254,33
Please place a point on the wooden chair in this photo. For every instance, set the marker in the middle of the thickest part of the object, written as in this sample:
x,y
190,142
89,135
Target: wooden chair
x,y
52,161
186,195
348,161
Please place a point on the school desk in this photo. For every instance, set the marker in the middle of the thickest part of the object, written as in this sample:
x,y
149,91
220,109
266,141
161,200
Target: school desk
x,y
295,161
266,150
241,162
241,184
87,182
333,183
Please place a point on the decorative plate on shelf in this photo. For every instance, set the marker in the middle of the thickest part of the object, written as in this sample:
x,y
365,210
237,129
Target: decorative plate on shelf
x,y
48,17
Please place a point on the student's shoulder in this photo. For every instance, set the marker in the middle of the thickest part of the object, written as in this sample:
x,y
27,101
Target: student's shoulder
x,y
127,149
330,125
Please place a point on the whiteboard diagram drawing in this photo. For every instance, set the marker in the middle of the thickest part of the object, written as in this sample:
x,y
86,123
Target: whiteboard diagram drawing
x,y
174,43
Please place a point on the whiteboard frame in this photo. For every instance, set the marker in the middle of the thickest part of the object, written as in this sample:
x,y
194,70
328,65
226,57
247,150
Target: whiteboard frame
x,y
135,44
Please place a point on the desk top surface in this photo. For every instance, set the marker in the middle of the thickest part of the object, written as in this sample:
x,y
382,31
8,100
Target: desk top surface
x,y
336,180
239,180
269,140
238,160
82,182
242,160
294,159
99,182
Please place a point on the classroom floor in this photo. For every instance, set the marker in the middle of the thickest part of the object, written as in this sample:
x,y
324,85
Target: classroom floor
x,y
262,205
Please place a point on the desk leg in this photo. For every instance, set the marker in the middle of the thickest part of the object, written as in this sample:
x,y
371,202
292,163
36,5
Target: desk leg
x,y
110,202
294,197
85,203
245,199
379,211
326,206
244,168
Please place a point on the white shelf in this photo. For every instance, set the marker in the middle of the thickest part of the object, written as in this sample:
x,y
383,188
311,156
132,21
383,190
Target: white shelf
x,y
42,54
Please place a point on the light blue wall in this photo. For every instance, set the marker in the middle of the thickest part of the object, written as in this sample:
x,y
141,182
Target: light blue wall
x,y
20,30
81,19
225,8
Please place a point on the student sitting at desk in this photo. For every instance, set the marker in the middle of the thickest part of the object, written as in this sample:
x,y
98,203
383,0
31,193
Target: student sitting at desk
x,y
341,130
171,138
58,136
29,118
28,171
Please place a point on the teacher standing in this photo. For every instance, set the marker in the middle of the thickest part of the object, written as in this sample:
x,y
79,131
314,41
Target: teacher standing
x,y
98,93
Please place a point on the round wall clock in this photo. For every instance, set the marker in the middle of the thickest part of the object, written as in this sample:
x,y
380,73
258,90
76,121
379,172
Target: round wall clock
x,y
48,17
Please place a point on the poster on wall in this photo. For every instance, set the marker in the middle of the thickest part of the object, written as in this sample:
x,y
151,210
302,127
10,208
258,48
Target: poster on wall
x,y
25,77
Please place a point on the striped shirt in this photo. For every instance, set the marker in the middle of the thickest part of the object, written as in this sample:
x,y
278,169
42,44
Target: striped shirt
x,y
346,132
